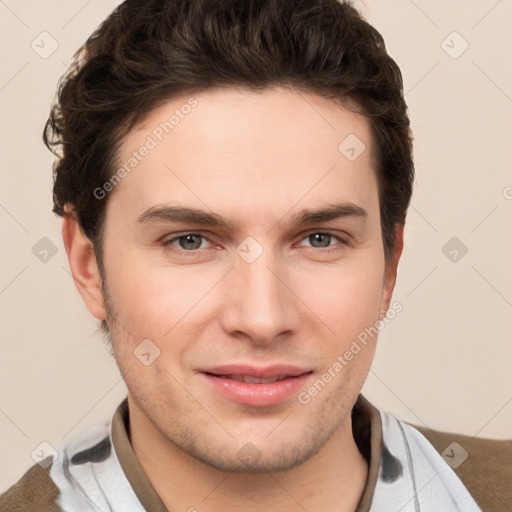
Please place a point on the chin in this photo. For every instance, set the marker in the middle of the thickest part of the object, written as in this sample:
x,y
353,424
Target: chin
x,y
250,459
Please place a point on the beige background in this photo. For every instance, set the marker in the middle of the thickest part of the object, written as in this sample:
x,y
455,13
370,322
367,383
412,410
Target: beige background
x,y
444,361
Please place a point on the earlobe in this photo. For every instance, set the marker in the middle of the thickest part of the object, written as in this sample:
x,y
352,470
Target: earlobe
x,y
391,271
83,265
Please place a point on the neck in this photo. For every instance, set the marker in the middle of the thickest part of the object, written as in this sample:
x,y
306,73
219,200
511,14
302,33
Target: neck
x,y
333,479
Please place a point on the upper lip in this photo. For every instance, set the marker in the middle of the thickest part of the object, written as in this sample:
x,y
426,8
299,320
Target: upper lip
x,y
264,372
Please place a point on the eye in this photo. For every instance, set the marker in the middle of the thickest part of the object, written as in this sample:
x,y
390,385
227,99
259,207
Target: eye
x,y
188,243
321,240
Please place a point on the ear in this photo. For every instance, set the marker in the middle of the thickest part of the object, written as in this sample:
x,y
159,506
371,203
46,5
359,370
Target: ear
x,y
391,271
83,265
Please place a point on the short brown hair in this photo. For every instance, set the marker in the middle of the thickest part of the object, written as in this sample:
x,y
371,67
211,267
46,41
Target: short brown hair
x,y
148,52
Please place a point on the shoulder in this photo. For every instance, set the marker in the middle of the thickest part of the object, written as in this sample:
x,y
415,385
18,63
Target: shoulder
x,y
483,465
414,475
35,490
65,480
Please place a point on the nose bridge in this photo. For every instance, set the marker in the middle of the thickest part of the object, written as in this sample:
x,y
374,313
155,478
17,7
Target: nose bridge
x,y
261,304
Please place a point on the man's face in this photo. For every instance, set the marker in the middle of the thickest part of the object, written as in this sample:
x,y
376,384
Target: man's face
x,y
259,292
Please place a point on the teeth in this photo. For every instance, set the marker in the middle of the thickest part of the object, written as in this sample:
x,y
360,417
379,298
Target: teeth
x,y
252,380
239,378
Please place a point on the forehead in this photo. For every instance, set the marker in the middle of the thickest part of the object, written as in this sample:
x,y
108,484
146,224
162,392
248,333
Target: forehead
x,y
265,151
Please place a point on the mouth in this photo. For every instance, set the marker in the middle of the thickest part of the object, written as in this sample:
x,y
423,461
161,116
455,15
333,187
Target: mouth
x,y
249,385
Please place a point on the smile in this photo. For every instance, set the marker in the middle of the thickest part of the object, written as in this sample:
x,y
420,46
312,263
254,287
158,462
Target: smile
x,y
259,387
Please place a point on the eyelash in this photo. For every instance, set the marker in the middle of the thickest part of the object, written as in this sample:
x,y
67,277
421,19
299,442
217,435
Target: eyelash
x,y
168,243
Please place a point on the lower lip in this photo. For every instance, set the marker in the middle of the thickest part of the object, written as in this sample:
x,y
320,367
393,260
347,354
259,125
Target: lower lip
x,y
261,395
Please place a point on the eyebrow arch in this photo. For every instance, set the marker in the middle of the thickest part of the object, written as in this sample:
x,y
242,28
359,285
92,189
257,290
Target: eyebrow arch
x,y
168,213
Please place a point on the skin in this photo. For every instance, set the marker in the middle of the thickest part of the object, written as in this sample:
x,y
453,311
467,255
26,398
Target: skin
x,y
256,158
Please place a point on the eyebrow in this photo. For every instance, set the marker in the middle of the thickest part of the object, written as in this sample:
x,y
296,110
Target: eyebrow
x,y
168,213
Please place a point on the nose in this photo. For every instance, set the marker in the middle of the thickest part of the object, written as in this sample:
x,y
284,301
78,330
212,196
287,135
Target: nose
x,y
259,302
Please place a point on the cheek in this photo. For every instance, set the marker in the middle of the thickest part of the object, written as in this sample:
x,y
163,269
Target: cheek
x,y
152,299
345,299
340,298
